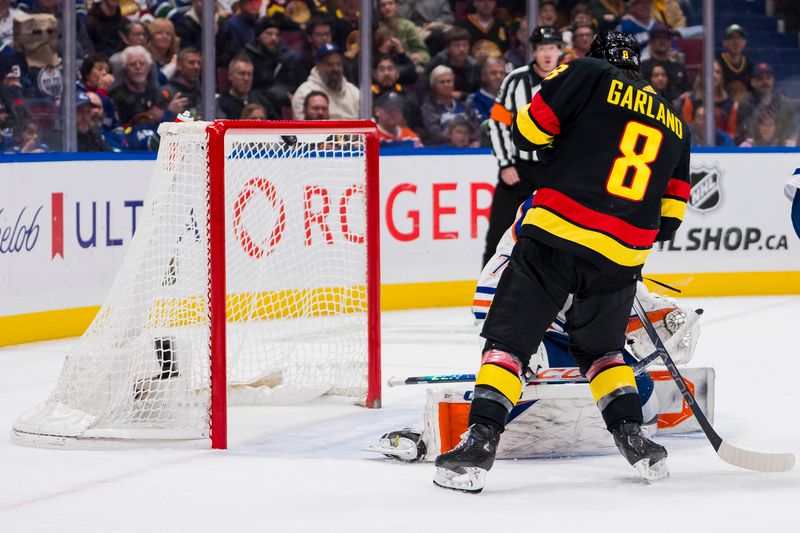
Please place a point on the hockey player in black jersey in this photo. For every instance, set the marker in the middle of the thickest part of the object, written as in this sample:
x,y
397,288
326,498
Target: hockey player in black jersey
x,y
616,180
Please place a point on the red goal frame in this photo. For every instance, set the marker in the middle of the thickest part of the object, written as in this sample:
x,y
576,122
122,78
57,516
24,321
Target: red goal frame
x,y
215,157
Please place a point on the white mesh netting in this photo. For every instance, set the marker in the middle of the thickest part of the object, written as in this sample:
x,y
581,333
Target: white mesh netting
x,y
296,274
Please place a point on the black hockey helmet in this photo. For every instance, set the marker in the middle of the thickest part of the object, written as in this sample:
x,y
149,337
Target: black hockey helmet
x,y
618,48
545,35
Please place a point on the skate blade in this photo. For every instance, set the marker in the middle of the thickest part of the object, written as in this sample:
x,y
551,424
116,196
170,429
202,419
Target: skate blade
x,y
654,472
472,480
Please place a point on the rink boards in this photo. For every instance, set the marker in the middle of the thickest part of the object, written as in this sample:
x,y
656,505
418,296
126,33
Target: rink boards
x,y
65,224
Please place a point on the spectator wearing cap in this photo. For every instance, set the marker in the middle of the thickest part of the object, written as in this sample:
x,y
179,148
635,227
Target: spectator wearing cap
x,y
89,137
441,106
455,56
485,29
389,119
639,21
404,30
136,98
105,24
660,53
186,81
316,106
582,35
328,77
492,74
737,69
236,31
275,69
386,80
114,138
764,97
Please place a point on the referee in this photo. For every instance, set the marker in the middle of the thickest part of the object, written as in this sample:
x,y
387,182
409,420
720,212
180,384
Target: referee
x,y
519,174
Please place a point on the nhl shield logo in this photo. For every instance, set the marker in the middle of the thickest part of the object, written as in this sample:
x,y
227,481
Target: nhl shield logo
x,y
706,192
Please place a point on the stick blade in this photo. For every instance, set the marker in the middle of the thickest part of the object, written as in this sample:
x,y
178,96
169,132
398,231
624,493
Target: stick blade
x,y
760,462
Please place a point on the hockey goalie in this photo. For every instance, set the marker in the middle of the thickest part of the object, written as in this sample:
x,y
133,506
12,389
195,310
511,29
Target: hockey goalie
x,y
556,415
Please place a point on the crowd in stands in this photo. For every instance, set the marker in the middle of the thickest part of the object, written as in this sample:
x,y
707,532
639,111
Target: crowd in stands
x,y
437,66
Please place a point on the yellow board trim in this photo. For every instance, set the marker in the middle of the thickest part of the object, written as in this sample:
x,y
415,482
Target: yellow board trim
x,y
673,208
610,380
501,379
529,130
46,325
593,240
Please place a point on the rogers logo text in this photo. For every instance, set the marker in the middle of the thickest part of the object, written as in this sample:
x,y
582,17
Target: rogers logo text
x,y
22,235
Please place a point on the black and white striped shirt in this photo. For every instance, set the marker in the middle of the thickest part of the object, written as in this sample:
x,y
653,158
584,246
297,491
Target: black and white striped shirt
x,y
515,93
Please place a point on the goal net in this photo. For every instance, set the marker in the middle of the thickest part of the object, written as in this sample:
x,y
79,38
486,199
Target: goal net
x,y
252,279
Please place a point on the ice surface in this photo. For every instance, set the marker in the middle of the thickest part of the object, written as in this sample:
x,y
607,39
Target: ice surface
x,y
302,468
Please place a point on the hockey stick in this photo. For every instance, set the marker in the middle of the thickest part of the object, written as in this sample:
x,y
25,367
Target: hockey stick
x,y
761,462
545,376
638,368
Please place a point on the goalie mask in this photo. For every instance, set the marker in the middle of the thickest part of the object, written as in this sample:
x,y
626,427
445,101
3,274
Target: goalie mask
x,y
36,36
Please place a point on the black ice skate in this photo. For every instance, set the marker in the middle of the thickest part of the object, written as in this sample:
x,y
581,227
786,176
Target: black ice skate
x,y
648,458
464,467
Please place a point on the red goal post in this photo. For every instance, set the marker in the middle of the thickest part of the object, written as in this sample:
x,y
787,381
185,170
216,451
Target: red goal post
x,y
216,184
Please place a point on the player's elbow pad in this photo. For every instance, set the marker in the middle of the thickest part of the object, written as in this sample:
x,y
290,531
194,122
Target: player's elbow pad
x,y
521,142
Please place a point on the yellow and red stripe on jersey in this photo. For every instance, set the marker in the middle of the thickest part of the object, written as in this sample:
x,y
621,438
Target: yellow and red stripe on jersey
x,y
537,122
673,204
617,240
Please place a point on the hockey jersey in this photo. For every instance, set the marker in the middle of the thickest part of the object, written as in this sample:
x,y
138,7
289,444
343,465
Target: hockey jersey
x,y
616,169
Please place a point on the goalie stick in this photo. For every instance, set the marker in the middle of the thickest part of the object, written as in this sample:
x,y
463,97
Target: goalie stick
x,y
758,461
547,375
567,375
